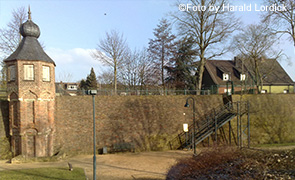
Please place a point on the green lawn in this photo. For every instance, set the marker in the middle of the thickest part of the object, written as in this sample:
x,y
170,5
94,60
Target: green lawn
x,y
43,174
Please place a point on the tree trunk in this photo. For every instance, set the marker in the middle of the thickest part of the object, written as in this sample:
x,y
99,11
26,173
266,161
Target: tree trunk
x,y
115,78
257,78
200,75
293,33
202,51
162,59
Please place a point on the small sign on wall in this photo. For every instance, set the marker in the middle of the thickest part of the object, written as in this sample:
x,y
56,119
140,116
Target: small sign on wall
x,y
185,127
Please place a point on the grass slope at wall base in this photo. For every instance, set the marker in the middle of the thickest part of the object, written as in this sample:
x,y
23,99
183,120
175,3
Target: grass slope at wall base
x,y
22,159
272,118
5,152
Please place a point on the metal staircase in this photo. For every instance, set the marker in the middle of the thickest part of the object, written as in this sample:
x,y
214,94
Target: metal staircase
x,y
209,124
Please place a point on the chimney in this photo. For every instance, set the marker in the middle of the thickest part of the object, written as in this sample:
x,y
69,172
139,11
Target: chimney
x,y
235,60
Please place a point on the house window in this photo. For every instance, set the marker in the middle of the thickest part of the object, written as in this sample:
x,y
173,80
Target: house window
x,y
72,87
28,72
11,73
46,73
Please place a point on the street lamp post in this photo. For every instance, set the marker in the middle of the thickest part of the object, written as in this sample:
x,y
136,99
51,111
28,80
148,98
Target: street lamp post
x,y
194,121
93,93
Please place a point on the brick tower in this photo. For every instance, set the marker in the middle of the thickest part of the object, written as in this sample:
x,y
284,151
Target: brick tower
x,y
31,95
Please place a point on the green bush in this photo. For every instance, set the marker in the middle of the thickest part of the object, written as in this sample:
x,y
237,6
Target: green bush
x,y
158,142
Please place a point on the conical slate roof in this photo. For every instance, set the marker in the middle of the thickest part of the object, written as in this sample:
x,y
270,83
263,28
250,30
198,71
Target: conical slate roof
x,y
29,48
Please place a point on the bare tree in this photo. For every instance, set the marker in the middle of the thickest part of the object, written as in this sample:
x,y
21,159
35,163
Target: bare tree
x,y
209,29
105,78
65,76
135,72
145,69
256,45
129,72
111,51
10,38
282,20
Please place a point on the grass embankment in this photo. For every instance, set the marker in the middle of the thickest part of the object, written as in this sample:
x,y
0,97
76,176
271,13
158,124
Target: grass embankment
x,y
43,174
274,145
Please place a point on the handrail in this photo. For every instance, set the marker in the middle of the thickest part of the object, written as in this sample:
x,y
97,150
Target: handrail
x,y
207,121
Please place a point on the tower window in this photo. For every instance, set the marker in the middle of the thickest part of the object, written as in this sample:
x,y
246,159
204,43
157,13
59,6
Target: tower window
x,y
11,73
28,72
46,73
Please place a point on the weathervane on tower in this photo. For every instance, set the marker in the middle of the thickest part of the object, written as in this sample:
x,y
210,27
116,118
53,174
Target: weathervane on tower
x,y
29,14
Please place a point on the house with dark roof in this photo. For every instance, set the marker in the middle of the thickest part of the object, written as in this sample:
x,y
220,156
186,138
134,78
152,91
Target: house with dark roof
x,y
232,76
67,88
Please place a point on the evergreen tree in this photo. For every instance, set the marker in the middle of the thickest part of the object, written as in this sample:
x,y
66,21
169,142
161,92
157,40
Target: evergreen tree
x,y
162,48
181,73
83,85
91,82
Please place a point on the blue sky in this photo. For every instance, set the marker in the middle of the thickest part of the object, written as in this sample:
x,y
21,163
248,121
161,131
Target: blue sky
x,y
71,29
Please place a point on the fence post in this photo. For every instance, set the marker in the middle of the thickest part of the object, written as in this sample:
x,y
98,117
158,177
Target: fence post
x,y
248,108
216,129
207,130
241,130
217,89
238,126
179,138
215,123
232,87
229,129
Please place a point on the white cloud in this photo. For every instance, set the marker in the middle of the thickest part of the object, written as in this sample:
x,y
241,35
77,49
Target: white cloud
x,y
77,62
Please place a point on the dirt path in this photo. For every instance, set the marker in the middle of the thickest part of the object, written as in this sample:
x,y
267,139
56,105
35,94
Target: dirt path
x,y
143,166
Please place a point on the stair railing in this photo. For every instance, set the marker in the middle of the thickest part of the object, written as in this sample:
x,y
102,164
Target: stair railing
x,y
206,123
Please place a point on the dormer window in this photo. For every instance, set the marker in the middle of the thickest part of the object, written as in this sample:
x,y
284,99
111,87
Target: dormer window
x,y
11,73
29,72
242,77
46,73
225,77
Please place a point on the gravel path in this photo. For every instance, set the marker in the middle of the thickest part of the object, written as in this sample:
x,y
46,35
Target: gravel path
x,y
125,166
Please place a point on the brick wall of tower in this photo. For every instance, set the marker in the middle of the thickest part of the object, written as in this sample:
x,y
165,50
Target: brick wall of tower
x,y
32,110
